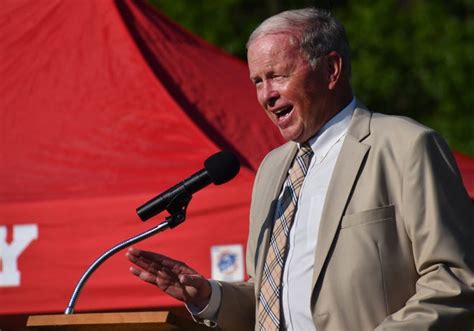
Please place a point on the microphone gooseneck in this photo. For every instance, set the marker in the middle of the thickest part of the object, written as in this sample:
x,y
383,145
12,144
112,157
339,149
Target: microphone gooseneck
x,y
85,276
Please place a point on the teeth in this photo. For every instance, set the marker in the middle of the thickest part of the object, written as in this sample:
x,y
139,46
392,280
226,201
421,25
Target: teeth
x,y
281,111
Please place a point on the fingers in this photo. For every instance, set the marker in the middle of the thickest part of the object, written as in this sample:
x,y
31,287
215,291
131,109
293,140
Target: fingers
x,y
147,260
135,271
163,267
142,262
143,275
161,278
156,269
155,257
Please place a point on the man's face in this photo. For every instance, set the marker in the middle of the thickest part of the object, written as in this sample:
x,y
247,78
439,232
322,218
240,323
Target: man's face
x,y
292,94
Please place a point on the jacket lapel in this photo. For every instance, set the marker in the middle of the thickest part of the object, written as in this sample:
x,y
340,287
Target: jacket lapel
x,y
344,176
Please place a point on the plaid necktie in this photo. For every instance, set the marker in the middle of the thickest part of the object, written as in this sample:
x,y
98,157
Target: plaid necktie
x,y
269,299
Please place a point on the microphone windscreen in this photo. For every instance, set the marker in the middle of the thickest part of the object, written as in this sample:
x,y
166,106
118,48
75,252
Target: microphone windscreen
x,y
222,167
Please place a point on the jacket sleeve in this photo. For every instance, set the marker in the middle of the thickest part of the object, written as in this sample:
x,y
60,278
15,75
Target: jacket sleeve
x,y
237,311
438,218
237,308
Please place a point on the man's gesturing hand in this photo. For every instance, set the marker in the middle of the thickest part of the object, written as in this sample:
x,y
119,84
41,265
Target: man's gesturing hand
x,y
173,277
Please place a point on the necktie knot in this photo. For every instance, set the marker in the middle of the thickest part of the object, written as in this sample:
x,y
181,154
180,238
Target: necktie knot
x,y
303,157
305,149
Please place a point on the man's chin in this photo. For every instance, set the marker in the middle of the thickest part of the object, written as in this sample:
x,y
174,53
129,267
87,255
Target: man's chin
x,y
289,135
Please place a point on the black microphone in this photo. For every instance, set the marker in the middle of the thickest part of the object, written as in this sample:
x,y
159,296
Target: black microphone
x,y
218,169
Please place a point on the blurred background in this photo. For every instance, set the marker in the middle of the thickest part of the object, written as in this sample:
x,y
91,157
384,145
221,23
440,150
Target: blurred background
x,y
106,103
410,57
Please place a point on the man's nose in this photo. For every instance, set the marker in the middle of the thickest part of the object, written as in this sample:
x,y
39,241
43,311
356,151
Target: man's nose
x,y
270,95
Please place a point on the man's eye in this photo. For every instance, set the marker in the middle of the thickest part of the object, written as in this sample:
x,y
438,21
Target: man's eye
x,y
278,77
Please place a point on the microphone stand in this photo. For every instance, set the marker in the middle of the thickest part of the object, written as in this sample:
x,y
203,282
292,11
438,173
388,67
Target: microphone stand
x,y
177,209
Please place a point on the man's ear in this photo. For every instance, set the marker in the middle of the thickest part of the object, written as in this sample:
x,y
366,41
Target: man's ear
x,y
334,69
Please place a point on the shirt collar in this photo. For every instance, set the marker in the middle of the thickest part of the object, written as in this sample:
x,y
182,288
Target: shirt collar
x,y
333,131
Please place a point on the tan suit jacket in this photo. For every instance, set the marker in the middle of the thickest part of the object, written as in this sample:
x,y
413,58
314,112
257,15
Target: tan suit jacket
x,y
395,246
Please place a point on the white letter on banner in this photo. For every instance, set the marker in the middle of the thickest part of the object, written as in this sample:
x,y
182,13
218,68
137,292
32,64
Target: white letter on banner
x,y
23,235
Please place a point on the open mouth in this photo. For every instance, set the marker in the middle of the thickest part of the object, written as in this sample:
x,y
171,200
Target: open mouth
x,y
283,111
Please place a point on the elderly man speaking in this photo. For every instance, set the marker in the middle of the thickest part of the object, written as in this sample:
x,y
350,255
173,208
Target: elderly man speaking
x,y
360,221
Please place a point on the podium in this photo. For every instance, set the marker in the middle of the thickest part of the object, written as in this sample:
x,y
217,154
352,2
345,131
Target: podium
x,y
126,321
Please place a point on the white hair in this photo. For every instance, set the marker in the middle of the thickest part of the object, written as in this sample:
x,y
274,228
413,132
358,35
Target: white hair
x,y
316,31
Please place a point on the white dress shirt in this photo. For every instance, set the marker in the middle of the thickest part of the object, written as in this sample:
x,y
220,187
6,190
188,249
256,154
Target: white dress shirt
x,y
298,269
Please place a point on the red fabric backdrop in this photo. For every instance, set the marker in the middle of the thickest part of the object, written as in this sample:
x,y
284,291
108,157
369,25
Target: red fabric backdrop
x,y
105,104
466,166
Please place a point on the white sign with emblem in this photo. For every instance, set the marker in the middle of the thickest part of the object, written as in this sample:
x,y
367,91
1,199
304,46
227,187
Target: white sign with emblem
x,y
227,263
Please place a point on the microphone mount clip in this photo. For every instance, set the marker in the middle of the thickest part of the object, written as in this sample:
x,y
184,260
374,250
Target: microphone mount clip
x,y
177,209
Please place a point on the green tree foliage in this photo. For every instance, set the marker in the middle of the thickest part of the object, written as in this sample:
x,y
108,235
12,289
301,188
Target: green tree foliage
x,y
410,57
416,58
